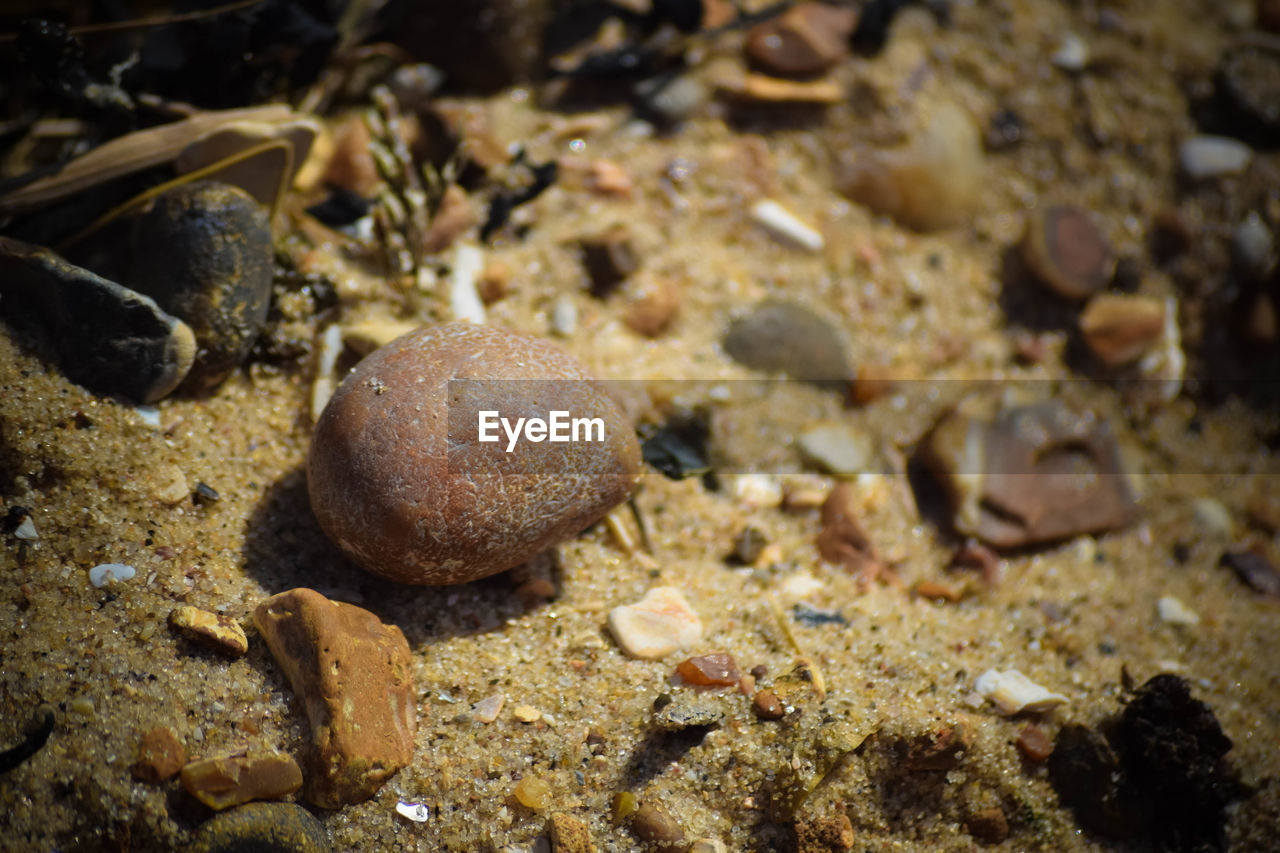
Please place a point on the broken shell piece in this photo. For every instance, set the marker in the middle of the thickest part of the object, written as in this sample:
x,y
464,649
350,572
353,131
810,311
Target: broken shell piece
x,y
109,573
655,626
1014,693
1174,612
786,226
1029,475
464,300
415,812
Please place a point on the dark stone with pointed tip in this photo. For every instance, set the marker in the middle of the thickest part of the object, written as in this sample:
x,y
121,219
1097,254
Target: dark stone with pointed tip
x,y
203,252
107,338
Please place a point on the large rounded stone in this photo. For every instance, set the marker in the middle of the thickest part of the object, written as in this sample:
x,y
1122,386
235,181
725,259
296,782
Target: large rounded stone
x,y
402,481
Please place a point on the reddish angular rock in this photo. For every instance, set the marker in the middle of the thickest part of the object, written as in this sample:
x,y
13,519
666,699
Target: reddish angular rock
x,y
354,676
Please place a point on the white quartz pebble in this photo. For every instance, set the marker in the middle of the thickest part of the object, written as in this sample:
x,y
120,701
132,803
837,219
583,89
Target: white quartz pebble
x,y
655,626
108,573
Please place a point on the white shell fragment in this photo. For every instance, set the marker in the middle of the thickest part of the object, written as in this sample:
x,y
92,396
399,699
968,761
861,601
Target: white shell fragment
x,y
27,530
1013,693
785,226
1203,157
1072,53
149,415
564,315
1174,612
109,573
655,626
464,300
416,812
327,352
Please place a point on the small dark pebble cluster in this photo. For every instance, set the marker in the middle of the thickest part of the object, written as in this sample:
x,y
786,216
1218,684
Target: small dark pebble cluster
x,y
1156,772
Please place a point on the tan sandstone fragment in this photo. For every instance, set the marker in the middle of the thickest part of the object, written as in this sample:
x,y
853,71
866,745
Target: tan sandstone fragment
x,y
228,781
213,630
353,673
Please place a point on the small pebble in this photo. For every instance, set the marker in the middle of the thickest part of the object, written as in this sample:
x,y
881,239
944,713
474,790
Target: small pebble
x,y
1034,744
564,316
781,337
495,282
1120,329
748,546
1067,252
669,100
757,491
26,530
786,226
716,669
1174,612
658,624
1014,693
1252,246
609,258
160,756
1255,569
526,714
653,824
213,630
824,834
262,828
533,792
228,781
1206,157
653,307
408,513
988,825
109,573
488,708
1213,517
569,835
465,305
708,845
451,220
766,706
83,706
805,40
838,448
1072,53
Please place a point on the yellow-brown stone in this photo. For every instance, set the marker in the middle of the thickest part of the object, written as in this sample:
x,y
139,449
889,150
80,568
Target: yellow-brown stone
x,y
354,676
227,781
214,630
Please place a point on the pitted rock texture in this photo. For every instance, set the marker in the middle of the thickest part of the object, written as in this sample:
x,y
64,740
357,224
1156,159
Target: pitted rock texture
x,y
399,479
354,676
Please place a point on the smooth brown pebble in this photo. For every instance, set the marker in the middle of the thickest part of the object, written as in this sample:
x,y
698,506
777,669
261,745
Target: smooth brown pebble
x,y
653,307
399,480
1067,251
711,670
807,39
160,756
652,823
766,705
1120,329
988,825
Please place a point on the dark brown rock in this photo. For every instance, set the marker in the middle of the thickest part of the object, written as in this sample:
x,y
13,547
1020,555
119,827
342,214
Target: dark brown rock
x,y
940,749
1034,744
654,825
609,257
806,40
203,252
988,825
1253,567
160,756
399,480
108,338
766,706
1030,474
1067,252
354,676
